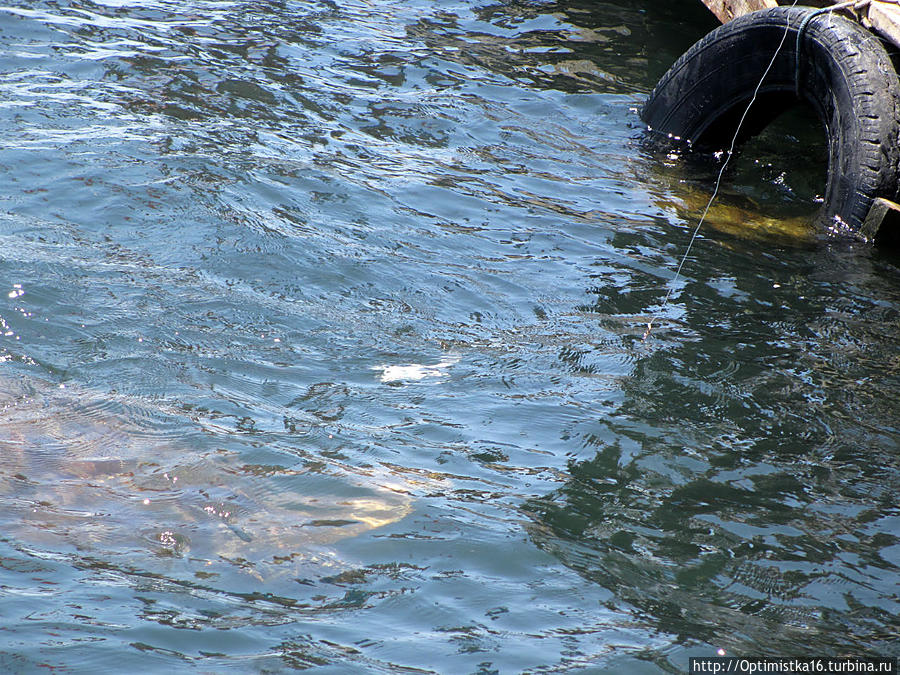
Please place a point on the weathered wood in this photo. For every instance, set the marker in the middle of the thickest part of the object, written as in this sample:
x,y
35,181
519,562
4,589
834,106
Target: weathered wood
x,y
883,17
726,10
884,213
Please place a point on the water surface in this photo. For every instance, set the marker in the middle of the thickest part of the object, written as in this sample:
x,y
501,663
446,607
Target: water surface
x,y
322,348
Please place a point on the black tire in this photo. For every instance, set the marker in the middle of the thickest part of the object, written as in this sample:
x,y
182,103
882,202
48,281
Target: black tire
x,y
845,74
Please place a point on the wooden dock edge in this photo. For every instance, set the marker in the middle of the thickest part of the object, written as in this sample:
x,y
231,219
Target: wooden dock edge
x,y
881,16
884,18
726,10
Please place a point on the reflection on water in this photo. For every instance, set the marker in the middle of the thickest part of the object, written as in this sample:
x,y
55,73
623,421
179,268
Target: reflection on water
x,y
322,347
760,196
732,495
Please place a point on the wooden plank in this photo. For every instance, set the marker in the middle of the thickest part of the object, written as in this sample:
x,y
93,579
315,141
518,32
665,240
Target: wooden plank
x,y
883,17
726,10
884,213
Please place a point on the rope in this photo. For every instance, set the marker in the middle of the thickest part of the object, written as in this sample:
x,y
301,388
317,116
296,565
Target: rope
x,y
855,4
804,24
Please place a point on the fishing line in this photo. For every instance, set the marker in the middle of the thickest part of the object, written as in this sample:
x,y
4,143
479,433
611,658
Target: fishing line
x,y
730,152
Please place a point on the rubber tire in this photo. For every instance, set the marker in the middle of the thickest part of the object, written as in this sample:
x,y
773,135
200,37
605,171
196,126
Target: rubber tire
x,y
845,74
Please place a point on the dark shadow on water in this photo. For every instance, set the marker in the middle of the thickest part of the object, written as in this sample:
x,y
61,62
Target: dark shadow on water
x,y
570,46
744,493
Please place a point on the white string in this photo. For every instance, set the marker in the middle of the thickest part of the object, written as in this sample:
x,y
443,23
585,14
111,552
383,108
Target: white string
x,y
715,193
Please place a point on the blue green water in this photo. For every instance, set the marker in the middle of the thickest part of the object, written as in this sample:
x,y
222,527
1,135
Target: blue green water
x,y
322,349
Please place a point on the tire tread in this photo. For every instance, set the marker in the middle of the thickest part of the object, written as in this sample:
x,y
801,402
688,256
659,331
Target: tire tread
x,y
865,123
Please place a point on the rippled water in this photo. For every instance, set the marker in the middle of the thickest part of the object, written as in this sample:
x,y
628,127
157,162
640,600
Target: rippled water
x,y
322,348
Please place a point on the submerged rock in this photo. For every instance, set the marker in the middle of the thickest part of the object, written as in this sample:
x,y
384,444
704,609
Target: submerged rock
x,y
102,476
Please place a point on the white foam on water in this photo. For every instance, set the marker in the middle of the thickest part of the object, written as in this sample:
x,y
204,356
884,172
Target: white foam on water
x,y
414,372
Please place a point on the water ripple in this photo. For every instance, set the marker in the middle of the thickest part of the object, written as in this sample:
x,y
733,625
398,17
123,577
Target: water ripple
x,y
326,321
